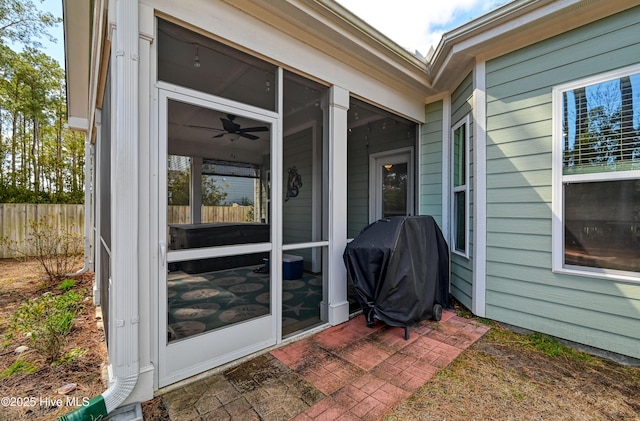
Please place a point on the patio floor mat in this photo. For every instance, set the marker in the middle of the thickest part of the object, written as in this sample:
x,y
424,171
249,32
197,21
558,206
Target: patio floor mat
x,y
207,301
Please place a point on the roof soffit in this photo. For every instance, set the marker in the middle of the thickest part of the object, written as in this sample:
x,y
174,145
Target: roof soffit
x,y
76,24
327,26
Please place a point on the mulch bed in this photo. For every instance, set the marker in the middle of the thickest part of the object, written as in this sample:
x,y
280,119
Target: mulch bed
x,y
35,396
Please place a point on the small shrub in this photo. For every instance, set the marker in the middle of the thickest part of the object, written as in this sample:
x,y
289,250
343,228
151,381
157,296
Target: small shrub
x,y
54,249
47,320
19,367
250,214
71,356
8,335
67,284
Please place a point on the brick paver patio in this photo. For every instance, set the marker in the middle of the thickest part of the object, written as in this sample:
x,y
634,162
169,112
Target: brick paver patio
x,y
346,372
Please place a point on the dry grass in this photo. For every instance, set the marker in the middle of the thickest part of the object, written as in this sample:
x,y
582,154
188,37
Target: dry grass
x,y
509,376
20,281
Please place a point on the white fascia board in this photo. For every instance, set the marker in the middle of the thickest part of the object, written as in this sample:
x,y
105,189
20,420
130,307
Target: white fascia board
x,y
515,25
77,30
369,37
329,27
97,59
78,123
487,27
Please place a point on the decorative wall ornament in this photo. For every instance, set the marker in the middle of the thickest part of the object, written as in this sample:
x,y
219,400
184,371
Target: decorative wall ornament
x,y
294,183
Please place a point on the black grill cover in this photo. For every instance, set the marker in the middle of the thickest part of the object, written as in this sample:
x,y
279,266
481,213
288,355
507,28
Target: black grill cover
x,y
399,267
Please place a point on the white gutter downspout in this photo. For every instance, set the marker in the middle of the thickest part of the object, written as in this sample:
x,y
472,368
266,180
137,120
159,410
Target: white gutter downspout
x,y
124,319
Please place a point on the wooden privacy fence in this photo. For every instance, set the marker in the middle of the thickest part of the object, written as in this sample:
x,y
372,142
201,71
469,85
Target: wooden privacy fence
x,y
181,214
16,220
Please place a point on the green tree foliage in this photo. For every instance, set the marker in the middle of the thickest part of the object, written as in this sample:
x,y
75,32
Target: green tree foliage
x,y
40,160
22,22
178,187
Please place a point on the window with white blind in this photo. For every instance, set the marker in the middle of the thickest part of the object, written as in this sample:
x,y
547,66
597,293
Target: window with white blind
x,y
597,175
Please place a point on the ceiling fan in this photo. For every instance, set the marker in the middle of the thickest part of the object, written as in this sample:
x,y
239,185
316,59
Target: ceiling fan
x,y
230,127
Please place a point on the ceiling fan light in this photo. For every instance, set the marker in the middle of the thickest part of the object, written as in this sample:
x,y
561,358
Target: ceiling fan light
x,y
196,59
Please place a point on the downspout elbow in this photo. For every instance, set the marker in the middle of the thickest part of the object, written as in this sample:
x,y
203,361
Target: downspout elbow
x,y
102,405
115,395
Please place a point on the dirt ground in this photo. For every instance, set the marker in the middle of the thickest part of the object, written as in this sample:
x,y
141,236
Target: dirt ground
x,y
504,376
35,396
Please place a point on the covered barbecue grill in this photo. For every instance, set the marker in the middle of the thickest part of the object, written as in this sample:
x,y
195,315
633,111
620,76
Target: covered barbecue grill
x,y
399,267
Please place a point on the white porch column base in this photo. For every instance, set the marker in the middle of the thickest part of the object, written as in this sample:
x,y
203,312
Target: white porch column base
x,y
338,313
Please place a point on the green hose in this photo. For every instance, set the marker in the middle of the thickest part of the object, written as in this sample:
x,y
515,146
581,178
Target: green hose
x,y
95,410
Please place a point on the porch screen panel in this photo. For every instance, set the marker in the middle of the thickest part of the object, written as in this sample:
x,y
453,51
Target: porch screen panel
x,y
371,130
218,191
104,236
189,59
303,160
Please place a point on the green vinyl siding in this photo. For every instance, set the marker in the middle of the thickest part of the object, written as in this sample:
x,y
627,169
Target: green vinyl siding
x,y
462,99
462,267
430,169
521,288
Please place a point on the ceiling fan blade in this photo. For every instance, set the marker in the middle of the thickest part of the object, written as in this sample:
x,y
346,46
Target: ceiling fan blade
x,y
247,135
193,126
220,135
254,129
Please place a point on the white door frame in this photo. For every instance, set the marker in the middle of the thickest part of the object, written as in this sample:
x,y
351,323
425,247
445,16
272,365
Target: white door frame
x,y
395,156
190,356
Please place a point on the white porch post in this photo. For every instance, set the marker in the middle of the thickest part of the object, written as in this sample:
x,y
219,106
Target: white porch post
x,y
478,298
195,190
337,306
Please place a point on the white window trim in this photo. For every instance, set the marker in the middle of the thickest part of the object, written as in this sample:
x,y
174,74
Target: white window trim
x,y
558,179
466,121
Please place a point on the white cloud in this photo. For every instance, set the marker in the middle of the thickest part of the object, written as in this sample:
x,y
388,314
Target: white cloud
x,y
418,24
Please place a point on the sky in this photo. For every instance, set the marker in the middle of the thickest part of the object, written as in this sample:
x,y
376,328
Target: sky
x,y
56,51
53,50
415,25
